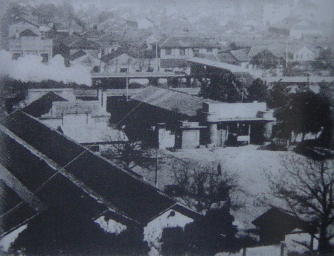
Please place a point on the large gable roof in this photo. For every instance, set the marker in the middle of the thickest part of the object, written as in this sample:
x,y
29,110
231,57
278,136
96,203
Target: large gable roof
x,y
42,105
171,100
108,186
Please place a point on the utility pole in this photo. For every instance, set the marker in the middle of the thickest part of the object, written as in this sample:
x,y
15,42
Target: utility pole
x,y
156,167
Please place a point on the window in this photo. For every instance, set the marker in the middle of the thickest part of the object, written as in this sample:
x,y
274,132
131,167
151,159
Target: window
x,y
123,70
168,51
209,50
16,56
196,51
182,51
45,57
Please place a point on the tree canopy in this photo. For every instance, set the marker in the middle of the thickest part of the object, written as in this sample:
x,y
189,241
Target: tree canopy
x,y
305,188
306,112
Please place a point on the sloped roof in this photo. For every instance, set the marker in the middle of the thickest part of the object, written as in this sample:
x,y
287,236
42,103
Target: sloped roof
x,y
46,181
217,64
42,105
227,57
170,100
14,210
241,54
189,42
276,218
278,49
106,184
77,42
77,55
28,32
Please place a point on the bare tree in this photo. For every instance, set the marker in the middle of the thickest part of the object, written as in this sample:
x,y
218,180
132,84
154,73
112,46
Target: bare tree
x,y
305,188
205,187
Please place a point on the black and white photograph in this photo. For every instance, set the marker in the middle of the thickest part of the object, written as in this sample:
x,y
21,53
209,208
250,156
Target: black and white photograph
x,y
167,127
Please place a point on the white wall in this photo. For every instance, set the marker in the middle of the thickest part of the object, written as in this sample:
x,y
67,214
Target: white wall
x,y
153,230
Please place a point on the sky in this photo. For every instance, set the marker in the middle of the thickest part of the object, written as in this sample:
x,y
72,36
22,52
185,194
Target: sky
x,y
176,6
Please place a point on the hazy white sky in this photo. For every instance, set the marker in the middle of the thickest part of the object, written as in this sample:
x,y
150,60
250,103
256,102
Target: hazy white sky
x,y
203,6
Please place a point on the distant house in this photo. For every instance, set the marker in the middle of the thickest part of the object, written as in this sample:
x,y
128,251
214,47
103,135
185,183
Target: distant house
x,y
176,49
70,45
241,56
265,60
85,59
275,224
180,120
86,122
122,63
27,38
71,200
206,67
305,53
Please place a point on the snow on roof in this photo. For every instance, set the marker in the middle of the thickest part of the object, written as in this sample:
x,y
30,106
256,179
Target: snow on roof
x,y
217,64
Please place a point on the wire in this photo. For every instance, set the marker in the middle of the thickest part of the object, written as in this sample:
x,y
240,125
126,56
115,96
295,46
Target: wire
x,y
128,114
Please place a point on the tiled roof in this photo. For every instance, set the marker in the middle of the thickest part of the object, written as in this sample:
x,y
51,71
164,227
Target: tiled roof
x,y
77,42
189,42
95,183
170,100
241,54
45,180
42,105
227,57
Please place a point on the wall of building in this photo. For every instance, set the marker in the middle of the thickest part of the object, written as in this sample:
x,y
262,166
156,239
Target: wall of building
x,y
169,219
188,52
304,54
190,139
30,45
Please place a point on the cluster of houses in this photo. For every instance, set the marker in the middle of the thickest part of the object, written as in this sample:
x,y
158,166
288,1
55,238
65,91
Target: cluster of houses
x,y
50,164
93,47
50,144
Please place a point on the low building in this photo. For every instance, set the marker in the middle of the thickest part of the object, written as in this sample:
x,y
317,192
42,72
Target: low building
x,y
86,122
179,120
31,42
57,189
275,224
176,49
304,53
